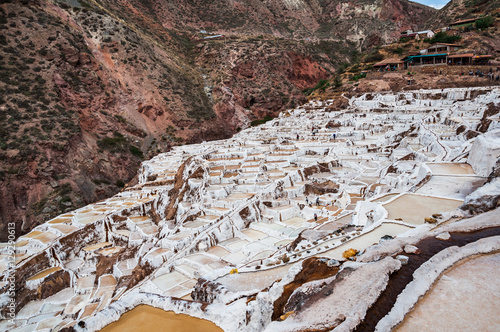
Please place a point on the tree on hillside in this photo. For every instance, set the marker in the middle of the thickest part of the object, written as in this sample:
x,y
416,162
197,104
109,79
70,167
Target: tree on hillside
x,y
374,57
442,37
485,22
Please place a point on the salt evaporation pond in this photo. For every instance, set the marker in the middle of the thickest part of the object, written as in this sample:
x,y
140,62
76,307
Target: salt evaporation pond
x,y
414,208
451,168
385,198
45,273
455,187
242,217
364,241
465,298
253,280
147,318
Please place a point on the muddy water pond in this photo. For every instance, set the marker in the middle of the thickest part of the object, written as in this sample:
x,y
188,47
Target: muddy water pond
x,y
147,318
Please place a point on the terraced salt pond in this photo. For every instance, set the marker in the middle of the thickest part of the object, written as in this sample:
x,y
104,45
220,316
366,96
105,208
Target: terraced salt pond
x,y
456,187
245,206
362,242
45,273
413,209
465,298
451,168
146,318
253,280
385,198
169,280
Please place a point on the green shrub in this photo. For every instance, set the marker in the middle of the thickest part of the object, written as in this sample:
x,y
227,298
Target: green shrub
x,y
343,67
485,22
398,51
117,143
120,118
98,182
337,82
136,152
359,76
475,3
374,57
322,84
261,121
442,37
354,69
65,189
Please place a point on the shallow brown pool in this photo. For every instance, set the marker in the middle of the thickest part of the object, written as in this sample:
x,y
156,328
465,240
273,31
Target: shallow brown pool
x,y
413,209
147,318
45,273
450,168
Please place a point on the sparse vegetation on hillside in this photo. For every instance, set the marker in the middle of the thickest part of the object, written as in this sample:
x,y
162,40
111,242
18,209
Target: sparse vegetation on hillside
x,y
485,22
322,85
261,121
443,37
464,9
375,56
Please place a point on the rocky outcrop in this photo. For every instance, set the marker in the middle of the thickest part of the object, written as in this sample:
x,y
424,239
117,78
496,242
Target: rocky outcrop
x,y
333,297
321,188
312,269
485,150
492,110
462,9
207,291
496,171
484,153
483,199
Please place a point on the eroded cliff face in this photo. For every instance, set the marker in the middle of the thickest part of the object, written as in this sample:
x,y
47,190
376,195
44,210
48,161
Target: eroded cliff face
x,y
249,81
88,91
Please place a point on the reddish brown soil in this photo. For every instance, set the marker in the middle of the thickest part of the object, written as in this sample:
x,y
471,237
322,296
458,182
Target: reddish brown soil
x,y
312,269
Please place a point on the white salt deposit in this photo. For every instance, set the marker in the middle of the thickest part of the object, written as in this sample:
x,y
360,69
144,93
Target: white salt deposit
x,y
237,205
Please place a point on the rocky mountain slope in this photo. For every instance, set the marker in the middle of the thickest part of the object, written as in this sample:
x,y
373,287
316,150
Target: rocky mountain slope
x,y
88,88
360,21
464,9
